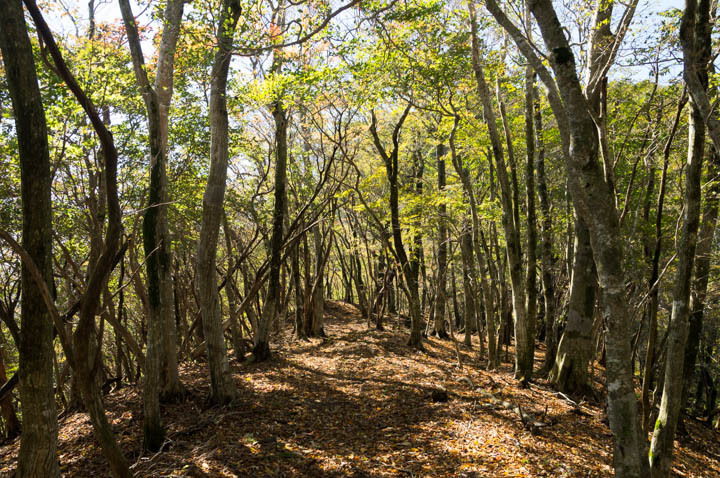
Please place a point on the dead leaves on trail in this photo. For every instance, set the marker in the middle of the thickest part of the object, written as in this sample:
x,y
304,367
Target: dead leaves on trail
x,y
360,404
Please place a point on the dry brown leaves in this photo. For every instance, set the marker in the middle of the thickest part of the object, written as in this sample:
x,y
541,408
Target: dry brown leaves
x,y
358,404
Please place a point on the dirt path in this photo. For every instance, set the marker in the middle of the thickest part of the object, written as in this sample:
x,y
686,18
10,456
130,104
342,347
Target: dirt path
x,y
359,404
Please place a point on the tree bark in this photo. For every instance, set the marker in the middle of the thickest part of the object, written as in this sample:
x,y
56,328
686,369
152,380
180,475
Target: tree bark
x,y
12,424
594,201
171,386
222,389
441,294
546,254
271,307
570,371
469,274
703,255
653,289
531,264
261,350
162,349
318,292
411,279
695,28
84,363
524,341
38,443
235,332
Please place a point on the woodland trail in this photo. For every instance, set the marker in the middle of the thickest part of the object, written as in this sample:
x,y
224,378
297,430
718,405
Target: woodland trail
x,y
359,404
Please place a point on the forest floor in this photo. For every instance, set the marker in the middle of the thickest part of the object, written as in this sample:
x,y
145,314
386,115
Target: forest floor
x,y
361,404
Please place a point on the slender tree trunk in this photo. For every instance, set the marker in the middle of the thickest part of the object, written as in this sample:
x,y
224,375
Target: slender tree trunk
x,y
299,296
441,294
38,444
171,386
703,255
153,432
531,265
271,307
222,389
411,279
417,253
524,340
261,350
235,332
161,316
162,373
86,367
547,260
468,277
653,289
359,284
318,295
12,424
308,284
456,306
661,450
595,203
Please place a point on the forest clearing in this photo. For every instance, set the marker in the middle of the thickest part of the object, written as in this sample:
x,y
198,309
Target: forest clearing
x,y
359,403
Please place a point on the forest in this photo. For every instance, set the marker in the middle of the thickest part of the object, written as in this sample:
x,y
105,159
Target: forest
x,y
359,238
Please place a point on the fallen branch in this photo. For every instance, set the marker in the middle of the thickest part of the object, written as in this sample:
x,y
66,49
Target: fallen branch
x,y
528,421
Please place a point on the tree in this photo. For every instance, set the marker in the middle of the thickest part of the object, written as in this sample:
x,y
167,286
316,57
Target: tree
x,y
222,389
594,201
38,444
411,278
695,34
441,294
261,350
161,347
524,330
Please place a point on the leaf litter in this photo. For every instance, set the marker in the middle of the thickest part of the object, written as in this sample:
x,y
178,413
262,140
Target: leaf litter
x,y
360,403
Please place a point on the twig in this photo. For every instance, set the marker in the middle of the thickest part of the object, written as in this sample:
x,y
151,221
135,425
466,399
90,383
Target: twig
x,y
150,460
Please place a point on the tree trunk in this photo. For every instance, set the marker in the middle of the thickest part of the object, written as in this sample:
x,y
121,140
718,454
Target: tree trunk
x,y
38,443
703,255
359,283
235,332
488,292
84,364
158,261
661,450
299,296
524,340
417,253
546,254
411,279
595,203
653,288
261,349
12,424
570,371
222,389
171,386
162,371
441,294
468,277
531,265
318,293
